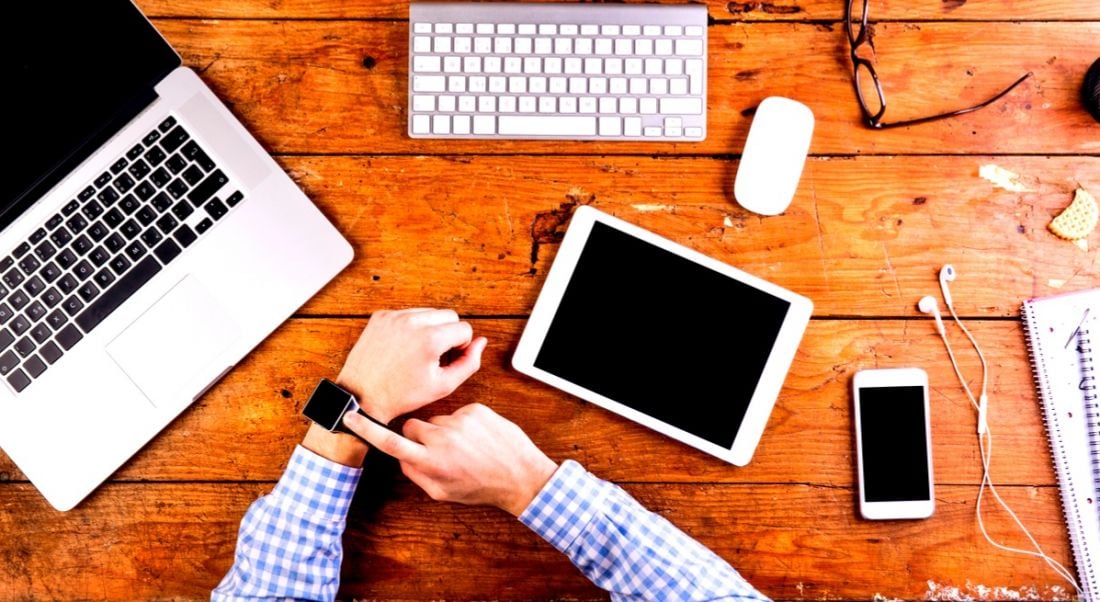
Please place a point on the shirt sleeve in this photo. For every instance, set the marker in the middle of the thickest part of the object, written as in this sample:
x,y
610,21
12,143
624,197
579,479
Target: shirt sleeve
x,y
625,549
289,543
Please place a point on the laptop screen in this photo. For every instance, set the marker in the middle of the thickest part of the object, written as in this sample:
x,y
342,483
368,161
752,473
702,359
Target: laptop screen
x,y
75,72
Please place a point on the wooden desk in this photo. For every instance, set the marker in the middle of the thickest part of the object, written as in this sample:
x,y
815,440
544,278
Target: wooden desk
x,y
474,226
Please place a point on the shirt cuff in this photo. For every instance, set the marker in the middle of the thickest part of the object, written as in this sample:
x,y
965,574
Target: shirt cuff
x,y
566,504
317,487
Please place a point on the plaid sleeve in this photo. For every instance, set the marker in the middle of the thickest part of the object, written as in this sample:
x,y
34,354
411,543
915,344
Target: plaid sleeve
x,y
625,549
289,543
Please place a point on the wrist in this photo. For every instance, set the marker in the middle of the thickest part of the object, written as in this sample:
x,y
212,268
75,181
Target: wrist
x,y
338,447
368,402
538,471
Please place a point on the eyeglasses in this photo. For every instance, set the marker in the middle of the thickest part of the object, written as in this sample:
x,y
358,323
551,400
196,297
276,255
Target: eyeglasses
x,y
873,117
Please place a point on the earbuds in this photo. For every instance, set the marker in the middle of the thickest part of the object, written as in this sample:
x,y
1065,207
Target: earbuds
x,y
947,274
928,305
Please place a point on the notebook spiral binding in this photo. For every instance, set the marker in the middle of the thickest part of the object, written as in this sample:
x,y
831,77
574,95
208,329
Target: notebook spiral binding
x,y
1088,371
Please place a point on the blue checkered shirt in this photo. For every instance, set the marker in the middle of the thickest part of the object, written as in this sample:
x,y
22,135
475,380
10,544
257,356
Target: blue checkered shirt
x,y
289,542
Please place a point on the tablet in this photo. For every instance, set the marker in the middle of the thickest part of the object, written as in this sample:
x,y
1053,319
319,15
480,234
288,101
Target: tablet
x,y
662,335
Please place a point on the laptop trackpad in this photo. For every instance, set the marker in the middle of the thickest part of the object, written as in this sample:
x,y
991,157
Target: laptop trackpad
x,y
169,350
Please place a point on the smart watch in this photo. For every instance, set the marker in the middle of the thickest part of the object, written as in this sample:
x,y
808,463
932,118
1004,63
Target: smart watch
x,y
329,403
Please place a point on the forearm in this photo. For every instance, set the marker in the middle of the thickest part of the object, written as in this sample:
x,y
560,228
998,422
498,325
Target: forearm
x,y
289,543
625,549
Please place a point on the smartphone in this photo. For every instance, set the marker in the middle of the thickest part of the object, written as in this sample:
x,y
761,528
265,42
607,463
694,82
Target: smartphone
x,y
893,443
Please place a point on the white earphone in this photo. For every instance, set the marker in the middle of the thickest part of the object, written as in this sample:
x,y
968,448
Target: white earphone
x,y
928,305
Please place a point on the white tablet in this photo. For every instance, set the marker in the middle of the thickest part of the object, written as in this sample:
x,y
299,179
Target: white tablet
x,y
663,335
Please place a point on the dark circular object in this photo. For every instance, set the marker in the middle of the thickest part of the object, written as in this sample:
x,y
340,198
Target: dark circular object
x,y
1090,90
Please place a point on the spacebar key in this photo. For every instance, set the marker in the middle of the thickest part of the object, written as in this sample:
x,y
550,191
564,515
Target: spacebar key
x,y
115,296
546,125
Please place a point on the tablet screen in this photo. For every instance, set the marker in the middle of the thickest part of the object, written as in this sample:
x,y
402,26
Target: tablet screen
x,y
662,334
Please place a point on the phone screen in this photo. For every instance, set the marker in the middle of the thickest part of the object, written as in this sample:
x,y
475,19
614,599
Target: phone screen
x,y
894,444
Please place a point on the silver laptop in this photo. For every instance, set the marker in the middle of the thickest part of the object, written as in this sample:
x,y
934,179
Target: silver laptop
x,y
148,242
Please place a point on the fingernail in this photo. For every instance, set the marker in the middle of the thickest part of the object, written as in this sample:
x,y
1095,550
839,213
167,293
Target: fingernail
x,y
352,419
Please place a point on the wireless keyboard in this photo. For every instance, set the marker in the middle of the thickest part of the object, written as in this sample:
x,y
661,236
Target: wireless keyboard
x,y
557,71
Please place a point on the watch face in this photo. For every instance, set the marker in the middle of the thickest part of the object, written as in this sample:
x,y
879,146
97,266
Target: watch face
x,y
328,405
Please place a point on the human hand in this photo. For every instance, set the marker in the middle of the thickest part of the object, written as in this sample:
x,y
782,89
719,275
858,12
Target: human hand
x,y
474,456
395,366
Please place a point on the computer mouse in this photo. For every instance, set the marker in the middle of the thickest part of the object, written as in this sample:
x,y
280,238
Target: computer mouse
x,y
774,155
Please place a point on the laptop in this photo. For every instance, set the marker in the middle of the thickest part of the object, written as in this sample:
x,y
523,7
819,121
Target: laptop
x,y
148,242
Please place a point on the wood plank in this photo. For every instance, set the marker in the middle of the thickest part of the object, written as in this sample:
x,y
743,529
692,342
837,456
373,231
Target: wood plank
x,y
779,10
307,86
159,541
245,428
862,237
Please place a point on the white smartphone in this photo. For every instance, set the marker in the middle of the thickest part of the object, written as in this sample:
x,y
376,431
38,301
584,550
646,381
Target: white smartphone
x,y
893,443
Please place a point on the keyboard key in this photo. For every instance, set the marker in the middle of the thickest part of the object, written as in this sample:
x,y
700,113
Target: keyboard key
x,y
108,196
146,215
124,183
192,175
192,151
114,243
6,313
19,380
546,125
103,179
13,278
120,264
6,263
155,156
34,366
6,339
151,237
209,186
161,202
150,138
34,286
50,272
104,278
177,188
185,235
182,210
130,229
216,208
82,245
66,258
173,139
67,284
83,270
167,251
75,224
29,264
19,325
51,297
119,166
88,291
145,190
8,362
50,352
167,223
69,336
56,319
41,333
176,164
22,249
139,169
135,251
99,256
38,235
72,206
35,311
45,251
204,225
54,221
113,218
135,152
18,299
167,124
25,346
160,177
98,231
114,297
72,305
234,198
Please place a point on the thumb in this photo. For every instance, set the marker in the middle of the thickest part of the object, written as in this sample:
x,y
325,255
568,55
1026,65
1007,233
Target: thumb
x,y
385,440
465,366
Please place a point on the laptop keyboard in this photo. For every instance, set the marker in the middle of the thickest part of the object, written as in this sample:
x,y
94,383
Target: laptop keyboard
x,y
87,259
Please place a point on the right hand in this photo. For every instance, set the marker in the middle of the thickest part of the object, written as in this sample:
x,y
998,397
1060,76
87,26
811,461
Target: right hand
x,y
474,456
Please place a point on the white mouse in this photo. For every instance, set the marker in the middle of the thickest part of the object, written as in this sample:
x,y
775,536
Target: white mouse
x,y
774,155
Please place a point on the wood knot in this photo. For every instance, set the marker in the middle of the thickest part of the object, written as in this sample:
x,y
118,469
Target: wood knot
x,y
369,62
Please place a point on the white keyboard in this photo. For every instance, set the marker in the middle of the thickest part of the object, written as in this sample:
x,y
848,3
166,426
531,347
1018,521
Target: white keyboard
x,y
557,71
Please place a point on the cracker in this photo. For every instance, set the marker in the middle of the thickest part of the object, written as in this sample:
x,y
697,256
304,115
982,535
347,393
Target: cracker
x,y
1077,220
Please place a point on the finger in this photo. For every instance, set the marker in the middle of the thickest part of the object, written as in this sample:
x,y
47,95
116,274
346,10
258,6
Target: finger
x,y
446,337
415,430
387,441
467,364
434,317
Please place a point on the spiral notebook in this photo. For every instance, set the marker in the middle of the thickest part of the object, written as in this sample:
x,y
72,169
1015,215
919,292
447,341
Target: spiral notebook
x,y
1058,334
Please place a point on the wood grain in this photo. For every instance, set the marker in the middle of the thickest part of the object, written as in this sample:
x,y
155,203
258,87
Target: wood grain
x,y
253,417
145,541
302,86
780,10
863,236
